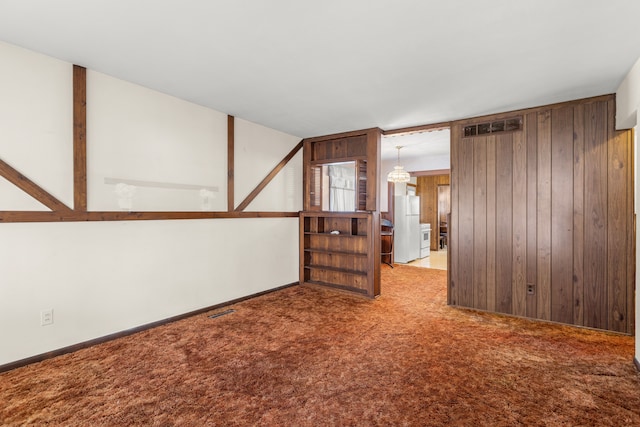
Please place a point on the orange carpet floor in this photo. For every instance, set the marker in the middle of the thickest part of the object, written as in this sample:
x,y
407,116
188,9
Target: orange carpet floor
x,y
307,356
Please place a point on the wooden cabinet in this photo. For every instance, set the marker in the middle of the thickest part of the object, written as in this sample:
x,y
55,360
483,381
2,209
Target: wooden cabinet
x,y
341,250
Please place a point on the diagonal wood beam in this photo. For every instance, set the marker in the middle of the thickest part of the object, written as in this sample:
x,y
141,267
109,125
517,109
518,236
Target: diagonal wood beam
x,y
268,178
30,187
79,138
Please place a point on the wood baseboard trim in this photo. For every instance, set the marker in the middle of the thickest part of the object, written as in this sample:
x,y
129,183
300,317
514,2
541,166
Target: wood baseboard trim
x,y
535,320
637,363
121,334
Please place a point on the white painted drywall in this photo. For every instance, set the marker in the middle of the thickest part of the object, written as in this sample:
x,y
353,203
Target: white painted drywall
x,y
628,98
628,116
135,133
257,151
104,277
14,199
36,124
635,211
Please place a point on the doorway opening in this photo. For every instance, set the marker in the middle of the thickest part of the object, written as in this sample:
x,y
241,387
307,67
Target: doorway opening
x,y
426,156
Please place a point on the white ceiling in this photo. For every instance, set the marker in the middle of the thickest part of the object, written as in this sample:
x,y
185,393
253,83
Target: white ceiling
x,y
314,68
414,145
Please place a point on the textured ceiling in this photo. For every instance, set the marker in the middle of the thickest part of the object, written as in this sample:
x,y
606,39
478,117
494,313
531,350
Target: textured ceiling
x,y
314,68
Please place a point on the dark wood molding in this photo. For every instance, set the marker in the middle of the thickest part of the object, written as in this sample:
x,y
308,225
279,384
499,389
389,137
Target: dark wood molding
x,y
31,188
391,193
111,337
417,129
242,206
432,172
79,138
231,135
74,216
343,135
374,144
307,175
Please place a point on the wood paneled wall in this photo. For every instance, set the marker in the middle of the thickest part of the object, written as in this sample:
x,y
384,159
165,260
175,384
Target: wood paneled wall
x,y
542,221
427,189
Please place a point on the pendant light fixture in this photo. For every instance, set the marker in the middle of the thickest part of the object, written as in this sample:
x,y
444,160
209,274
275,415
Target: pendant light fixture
x,y
398,174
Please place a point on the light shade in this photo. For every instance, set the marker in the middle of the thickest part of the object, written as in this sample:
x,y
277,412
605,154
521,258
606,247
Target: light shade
x,y
398,174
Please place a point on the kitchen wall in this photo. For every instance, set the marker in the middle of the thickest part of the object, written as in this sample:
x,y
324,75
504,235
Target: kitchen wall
x,y
411,164
428,191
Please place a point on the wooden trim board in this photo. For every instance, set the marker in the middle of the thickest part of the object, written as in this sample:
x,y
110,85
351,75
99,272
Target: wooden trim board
x,y
230,162
73,216
416,129
79,138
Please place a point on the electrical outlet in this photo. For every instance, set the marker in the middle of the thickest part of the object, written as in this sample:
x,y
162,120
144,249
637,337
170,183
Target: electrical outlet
x,y
531,289
46,317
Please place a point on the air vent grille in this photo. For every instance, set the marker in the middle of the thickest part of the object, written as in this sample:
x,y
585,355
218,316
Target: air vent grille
x,y
222,313
511,124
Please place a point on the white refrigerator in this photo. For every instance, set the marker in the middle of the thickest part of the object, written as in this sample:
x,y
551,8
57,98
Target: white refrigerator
x,y
406,245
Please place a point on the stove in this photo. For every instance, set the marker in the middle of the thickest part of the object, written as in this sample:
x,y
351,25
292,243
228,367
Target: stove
x,y
425,240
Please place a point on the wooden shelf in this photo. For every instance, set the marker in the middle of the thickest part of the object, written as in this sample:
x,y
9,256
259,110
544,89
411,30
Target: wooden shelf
x,y
330,251
338,269
337,286
347,260
334,235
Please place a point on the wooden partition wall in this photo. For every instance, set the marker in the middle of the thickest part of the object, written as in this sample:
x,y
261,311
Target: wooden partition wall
x,y
341,249
542,220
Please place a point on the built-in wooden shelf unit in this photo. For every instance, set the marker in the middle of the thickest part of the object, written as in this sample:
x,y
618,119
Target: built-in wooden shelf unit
x,y
336,249
341,249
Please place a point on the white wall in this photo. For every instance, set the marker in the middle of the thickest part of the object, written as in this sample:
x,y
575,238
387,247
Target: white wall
x,y
628,98
105,277
628,116
36,114
134,133
635,211
257,150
